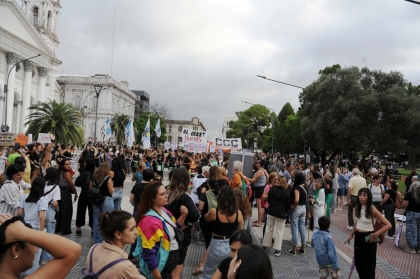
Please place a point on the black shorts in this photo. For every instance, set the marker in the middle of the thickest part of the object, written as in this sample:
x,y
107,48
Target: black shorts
x,y
258,191
182,256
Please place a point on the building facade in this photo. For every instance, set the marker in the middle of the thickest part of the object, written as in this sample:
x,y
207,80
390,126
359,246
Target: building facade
x,y
174,128
26,32
227,124
142,103
114,98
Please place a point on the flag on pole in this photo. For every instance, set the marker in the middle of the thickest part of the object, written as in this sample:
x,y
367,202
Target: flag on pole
x,y
146,135
157,129
129,133
106,129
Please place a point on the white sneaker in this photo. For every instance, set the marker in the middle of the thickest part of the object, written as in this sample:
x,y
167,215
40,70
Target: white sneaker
x,y
350,228
389,237
409,250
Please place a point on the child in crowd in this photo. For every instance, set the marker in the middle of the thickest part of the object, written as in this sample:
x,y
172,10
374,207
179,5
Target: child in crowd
x,y
326,255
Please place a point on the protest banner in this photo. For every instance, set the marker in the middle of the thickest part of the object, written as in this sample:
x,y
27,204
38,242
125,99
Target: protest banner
x,y
191,136
203,148
44,138
7,139
234,144
212,148
167,145
29,138
174,146
21,139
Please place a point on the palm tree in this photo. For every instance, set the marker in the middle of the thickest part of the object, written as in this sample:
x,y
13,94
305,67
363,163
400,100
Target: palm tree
x,y
63,120
413,90
118,124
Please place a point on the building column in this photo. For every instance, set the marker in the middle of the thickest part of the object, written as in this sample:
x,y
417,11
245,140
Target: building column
x,y
17,128
12,59
43,73
26,96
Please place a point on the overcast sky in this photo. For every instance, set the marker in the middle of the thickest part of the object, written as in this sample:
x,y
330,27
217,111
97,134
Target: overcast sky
x,y
201,58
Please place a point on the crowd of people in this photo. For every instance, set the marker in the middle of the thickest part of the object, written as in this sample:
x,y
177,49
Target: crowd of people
x,y
38,191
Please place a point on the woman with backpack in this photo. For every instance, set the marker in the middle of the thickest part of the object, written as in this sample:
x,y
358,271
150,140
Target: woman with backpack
x,y
84,181
389,204
118,228
33,206
101,180
378,191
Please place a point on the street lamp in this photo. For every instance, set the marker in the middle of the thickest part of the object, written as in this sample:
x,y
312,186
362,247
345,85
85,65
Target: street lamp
x,y
414,1
272,136
6,86
98,89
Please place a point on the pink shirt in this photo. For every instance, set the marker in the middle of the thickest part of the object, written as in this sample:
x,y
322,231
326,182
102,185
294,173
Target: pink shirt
x,y
266,190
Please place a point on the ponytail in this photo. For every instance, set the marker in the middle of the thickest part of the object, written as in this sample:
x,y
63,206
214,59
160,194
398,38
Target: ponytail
x,y
109,223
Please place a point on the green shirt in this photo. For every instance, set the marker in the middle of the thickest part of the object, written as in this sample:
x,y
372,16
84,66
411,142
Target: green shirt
x,y
12,157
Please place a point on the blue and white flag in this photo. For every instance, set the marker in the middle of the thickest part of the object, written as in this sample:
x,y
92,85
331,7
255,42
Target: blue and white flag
x,y
157,129
129,133
146,135
106,129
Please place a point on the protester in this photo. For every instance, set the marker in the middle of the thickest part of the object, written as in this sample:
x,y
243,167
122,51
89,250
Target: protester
x,y
11,191
278,208
412,205
259,180
33,207
326,255
251,261
225,219
355,184
118,228
272,180
378,191
238,177
245,207
84,181
341,195
102,180
19,244
65,204
298,214
237,240
157,248
177,199
117,174
388,204
318,202
365,241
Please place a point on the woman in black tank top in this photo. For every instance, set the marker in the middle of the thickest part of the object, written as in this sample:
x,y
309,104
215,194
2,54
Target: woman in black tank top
x,y
226,219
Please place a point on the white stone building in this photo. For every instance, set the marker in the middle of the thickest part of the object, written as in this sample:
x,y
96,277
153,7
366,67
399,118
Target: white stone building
x,y
26,31
114,97
227,124
174,128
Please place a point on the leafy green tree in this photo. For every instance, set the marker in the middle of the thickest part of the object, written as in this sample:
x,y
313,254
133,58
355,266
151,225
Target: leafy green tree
x,y
355,110
285,112
330,70
288,135
62,119
140,125
249,126
118,124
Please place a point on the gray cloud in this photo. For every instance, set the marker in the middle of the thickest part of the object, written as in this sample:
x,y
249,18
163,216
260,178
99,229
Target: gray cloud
x,y
202,57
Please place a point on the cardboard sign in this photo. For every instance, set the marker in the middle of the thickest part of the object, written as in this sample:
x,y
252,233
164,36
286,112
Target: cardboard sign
x,y
7,139
174,146
167,145
44,138
21,139
190,136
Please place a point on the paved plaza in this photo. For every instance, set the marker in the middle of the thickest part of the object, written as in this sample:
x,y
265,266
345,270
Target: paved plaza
x,y
392,262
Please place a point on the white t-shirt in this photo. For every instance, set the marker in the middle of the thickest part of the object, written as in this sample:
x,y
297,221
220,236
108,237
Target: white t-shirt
x,y
174,244
3,162
376,192
55,194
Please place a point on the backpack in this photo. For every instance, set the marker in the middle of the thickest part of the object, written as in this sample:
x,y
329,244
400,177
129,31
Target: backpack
x,y
139,177
95,195
94,275
380,185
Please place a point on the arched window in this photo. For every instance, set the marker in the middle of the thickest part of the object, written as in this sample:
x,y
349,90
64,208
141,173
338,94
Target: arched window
x,y
49,20
77,100
179,128
35,15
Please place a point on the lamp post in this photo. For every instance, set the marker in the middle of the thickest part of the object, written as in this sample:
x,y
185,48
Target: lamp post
x,y
414,1
273,121
6,86
98,89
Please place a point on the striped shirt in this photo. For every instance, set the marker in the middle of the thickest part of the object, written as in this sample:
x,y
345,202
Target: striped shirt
x,y
10,195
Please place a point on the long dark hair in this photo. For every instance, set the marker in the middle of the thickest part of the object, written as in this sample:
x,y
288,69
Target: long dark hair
x,y
255,263
147,199
90,165
51,176
180,181
116,221
61,166
213,185
226,201
369,203
37,190
299,180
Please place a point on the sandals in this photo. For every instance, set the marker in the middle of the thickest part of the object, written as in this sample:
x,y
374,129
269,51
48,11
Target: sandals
x,y
78,233
255,225
197,271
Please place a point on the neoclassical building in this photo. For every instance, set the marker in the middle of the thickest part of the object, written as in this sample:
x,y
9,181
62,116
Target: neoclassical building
x,y
114,98
26,31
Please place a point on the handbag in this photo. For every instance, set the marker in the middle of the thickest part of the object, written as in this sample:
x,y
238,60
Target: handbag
x,y
376,227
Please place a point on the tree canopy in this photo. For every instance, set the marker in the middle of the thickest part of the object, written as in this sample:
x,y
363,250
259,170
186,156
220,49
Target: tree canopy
x,y
62,119
285,112
140,125
351,109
